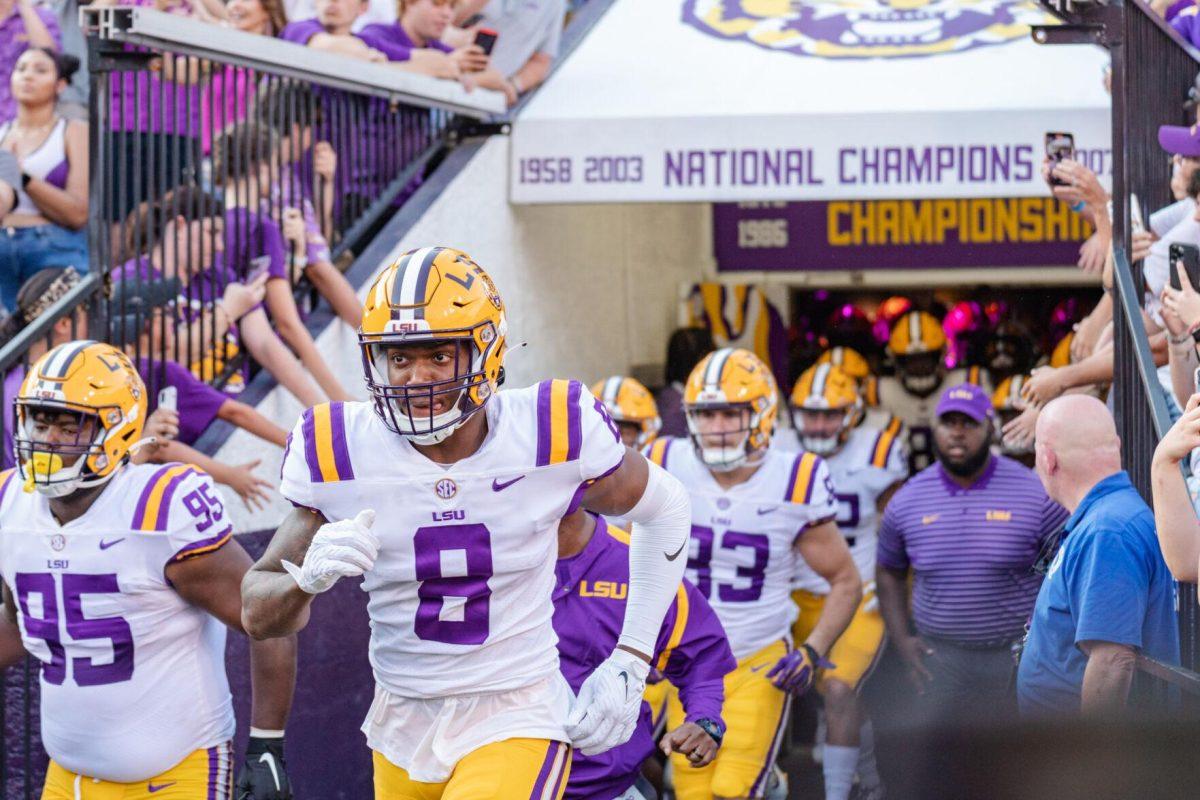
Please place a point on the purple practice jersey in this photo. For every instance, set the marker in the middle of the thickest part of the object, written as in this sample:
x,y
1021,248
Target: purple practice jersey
x,y
691,652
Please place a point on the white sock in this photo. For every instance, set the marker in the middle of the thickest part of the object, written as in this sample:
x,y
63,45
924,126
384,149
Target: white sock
x,y
840,763
868,768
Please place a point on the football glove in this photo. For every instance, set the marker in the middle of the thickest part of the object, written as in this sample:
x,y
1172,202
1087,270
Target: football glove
x,y
264,774
344,549
606,711
795,672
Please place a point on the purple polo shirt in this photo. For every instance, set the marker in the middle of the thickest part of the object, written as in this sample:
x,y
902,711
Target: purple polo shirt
x,y
589,607
14,40
972,550
198,403
300,32
394,42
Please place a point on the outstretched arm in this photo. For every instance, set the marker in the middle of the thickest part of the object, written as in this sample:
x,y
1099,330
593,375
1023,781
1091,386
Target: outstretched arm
x,y
273,604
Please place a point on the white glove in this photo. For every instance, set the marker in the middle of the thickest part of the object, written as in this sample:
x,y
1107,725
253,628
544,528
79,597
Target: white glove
x,y
606,711
344,549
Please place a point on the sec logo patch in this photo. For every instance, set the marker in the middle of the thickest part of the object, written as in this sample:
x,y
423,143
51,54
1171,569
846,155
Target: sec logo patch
x,y
445,488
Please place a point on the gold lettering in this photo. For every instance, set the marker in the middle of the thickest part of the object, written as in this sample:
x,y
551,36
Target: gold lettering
x,y
1006,220
834,232
861,225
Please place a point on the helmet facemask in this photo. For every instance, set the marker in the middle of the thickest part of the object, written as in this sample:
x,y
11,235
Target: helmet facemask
x,y
725,451
920,373
42,464
412,410
822,442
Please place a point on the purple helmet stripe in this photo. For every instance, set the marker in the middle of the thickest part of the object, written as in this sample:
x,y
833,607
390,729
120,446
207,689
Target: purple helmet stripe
x,y
543,423
308,430
423,281
140,511
574,424
341,452
398,281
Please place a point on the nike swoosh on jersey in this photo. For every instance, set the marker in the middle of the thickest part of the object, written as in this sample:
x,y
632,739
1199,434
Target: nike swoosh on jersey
x,y
762,511
675,555
150,787
105,545
500,486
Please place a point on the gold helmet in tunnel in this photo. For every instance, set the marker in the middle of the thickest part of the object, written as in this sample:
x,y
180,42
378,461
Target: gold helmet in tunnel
x,y
827,397
917,345
731,379
628,402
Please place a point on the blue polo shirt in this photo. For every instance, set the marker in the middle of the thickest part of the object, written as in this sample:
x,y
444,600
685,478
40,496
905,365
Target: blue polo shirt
x,y
1108,583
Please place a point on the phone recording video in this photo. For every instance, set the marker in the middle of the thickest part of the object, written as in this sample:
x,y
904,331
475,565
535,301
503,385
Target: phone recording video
x,y
486,39
1059,147
1189,255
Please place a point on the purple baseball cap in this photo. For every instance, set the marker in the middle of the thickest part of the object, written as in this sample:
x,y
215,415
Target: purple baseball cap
x,y
1180,141
966,398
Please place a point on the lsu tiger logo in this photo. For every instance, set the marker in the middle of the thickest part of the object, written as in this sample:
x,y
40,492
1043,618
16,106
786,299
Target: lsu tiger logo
x,y
866,28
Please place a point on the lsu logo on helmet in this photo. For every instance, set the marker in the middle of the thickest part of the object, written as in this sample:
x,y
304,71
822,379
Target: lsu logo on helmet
x,y
866,28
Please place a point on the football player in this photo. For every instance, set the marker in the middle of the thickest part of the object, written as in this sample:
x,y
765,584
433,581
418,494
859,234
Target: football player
x,y
854,364
865,415
691,651
632,407
468,486
917,346
123,579
868,465
755,512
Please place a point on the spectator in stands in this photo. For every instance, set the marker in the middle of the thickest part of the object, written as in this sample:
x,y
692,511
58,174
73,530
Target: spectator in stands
x,y
530,32
1185,23
246,160
685,348
182,236
260,17
381,11
47,225
331,30
414,41
23,24
1174,515
970,527
10,180
73,102
1108,594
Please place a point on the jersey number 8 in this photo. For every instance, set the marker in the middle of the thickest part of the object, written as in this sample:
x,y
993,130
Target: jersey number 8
x,y
472,588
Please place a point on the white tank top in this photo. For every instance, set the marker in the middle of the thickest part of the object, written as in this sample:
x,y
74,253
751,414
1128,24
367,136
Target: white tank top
x,y
47,163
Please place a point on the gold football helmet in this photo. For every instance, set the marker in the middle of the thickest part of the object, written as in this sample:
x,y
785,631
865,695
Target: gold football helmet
x,y
98,386
854,364
628,402
826,405
429,296
917,344
731,379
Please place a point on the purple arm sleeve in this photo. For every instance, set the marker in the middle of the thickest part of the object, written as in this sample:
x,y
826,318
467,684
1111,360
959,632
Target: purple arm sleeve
x,y
698,664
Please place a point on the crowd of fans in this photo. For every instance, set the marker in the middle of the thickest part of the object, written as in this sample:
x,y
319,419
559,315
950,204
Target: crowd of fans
x,y
227,188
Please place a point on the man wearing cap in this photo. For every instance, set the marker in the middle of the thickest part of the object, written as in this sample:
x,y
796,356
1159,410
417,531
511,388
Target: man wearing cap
x,y
971,528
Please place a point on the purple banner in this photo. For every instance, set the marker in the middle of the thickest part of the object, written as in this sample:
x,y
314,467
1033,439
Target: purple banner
x,y
896,234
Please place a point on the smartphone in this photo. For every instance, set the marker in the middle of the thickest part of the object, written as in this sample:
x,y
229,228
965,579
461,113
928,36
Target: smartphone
x,y
258,266
486,38
1137,223
1189,254
168,398
1059,146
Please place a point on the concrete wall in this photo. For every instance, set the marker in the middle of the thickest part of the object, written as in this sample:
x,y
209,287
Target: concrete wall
x,y
592,289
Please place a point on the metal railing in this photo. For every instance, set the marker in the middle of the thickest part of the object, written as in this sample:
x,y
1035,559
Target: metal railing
x,y
217,156
1152,70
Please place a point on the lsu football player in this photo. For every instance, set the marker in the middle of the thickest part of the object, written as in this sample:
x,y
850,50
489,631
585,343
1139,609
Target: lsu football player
x,y
122,579
468,485
917,346
691,651
868,465
632,407
755,512
855,364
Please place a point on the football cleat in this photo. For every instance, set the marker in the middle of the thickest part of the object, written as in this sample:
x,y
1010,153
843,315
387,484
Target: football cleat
x,y
731,379
826,406
430,296
95,383
628,402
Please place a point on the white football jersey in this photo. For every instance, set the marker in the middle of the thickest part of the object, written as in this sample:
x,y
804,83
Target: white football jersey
x,y
743,550
133,676
869,462
917,414
460,596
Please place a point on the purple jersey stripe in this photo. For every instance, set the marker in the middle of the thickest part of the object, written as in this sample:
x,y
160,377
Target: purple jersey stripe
x,y
164,507
812,480
666,454
574,425
287,448
547,764
791,481
204,544
543,424
140,511
213,761
309,432
341,453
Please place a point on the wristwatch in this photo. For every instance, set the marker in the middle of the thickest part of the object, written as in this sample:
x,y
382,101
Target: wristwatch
x,y
712,728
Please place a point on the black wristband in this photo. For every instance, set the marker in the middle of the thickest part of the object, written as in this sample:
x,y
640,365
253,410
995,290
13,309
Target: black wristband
x,y
25,179
712,728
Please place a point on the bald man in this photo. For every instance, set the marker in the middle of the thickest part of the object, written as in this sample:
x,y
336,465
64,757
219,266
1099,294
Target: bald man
x,y
1108,594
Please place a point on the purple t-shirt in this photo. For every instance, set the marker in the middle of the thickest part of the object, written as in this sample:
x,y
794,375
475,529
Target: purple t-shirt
x,y
251,240
972,550
588,623
198,403
146,103
394,42
301,31
14,40
1186,25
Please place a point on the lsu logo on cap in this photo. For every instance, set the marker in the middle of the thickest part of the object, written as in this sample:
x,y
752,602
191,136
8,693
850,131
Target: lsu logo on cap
x,y
959,393
866,28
